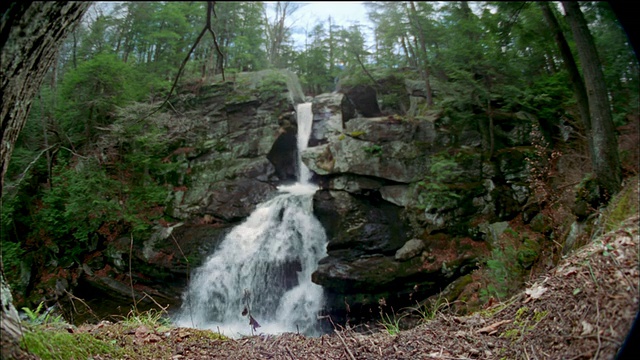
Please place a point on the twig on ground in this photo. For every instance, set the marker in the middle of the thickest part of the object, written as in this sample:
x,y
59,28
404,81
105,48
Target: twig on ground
x,y
598,329
290,353
345,345
73,297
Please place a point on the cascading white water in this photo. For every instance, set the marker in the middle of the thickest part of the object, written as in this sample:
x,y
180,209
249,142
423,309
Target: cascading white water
x,y
271,257
305,123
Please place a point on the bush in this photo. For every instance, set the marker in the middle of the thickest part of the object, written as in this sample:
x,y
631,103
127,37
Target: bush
x,y
435,192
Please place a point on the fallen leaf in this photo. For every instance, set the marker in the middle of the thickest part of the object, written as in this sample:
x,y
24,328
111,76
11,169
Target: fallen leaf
x,y
571,270
152,338
576,291
586,328
492,327
254,324
536,291
141,331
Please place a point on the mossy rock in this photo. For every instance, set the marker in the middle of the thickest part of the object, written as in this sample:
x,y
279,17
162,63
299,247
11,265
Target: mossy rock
x,y
528,253
541,224
588,197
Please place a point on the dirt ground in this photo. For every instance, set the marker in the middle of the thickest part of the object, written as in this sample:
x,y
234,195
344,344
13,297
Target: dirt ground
x,y
582,309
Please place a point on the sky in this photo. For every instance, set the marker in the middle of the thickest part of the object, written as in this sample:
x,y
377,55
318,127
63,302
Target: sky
x,y
343,13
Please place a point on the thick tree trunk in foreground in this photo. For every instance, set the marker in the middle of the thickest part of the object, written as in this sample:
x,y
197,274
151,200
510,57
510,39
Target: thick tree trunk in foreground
x,y
30,35
605,160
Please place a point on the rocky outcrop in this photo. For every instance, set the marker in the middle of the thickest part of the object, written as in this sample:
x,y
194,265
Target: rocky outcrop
x,y
245,144
405,203
237,143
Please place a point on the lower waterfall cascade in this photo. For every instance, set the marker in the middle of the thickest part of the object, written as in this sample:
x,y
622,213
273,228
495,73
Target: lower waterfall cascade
x,y
262,269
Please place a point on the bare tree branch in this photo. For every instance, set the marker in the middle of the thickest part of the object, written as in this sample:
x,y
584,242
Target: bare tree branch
x,y
207,27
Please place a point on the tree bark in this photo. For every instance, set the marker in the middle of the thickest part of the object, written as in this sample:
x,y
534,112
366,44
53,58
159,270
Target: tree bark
x,y
30,35
605,161
29,40
572,68
425,71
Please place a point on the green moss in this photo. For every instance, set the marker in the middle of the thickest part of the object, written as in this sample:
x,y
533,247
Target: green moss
x,y
60,344
356,134
525,321
539,315
622,206
521,313
511,334
375,150
528,253
493,310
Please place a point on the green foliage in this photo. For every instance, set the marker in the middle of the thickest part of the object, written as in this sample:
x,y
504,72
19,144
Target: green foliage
x,y
374,150
90,198
11,256
90,94
271,86
151,318
37,317
503,273
390,322
430,309
80,202
435,191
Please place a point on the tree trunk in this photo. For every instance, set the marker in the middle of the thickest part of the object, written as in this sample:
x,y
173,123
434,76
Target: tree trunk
x,y
30,35
574,75
424,69
605,161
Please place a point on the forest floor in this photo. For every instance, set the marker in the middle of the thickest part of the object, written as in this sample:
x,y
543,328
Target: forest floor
x,y
581,309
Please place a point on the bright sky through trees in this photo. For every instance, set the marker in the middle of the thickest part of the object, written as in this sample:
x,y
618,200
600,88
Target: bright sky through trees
x,y
343,13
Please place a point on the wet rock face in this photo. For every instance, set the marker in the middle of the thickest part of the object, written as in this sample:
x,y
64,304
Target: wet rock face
x,y
283,156
363,225
364,100
388,237
243,143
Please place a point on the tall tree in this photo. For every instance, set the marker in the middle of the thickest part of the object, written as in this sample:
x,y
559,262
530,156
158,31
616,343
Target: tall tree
x,y
605,161
37,29
572,68
416,22
278,30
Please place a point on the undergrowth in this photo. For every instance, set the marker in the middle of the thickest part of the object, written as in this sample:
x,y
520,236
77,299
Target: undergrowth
x,y
430,309
150,318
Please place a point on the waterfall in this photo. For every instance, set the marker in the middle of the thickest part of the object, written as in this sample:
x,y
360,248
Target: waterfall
x,y
263,266
305,122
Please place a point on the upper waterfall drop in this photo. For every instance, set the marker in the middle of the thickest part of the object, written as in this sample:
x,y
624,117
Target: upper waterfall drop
x,y
262,269
305,124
